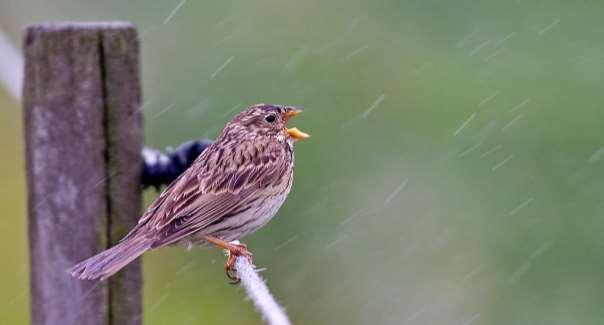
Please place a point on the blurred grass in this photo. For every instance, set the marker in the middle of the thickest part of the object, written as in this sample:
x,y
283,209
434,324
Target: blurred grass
x,y
500,218
13,243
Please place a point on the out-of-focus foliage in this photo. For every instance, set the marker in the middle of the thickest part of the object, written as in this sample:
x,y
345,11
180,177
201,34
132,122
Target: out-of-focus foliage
x,y
455,173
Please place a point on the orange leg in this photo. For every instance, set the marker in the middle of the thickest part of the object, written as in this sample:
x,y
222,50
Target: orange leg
x,y
234,250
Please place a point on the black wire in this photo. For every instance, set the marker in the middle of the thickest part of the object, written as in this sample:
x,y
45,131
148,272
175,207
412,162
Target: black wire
x,y
161,169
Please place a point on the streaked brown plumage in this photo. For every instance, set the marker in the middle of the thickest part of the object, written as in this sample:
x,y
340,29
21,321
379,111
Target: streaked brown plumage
x,y
233,188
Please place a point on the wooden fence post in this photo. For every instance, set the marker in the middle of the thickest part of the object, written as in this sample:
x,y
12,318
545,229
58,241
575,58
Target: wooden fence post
x,y
83,131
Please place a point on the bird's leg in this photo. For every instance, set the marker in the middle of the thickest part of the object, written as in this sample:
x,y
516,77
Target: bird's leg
x,y
234,250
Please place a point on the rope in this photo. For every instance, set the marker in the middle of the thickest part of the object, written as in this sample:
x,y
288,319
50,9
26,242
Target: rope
x,y
258,292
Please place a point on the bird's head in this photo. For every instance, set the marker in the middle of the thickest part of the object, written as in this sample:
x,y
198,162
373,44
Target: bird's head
x,y
266,120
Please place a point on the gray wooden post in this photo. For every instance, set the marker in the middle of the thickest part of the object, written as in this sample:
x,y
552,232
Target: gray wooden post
x,y
83,132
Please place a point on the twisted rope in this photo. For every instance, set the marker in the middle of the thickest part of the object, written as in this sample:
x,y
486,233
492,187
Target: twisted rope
x,y
258,292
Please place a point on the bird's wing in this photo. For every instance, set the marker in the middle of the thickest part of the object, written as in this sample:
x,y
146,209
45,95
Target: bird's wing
x,y
220,183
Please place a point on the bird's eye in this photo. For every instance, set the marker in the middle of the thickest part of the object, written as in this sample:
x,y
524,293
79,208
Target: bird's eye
x,y
270,118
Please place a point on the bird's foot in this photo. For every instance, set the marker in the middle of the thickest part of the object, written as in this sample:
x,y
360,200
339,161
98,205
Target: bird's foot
x,y
233,252
234,249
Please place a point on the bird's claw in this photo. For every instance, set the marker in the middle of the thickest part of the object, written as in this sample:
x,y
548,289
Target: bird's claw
x,y
234,251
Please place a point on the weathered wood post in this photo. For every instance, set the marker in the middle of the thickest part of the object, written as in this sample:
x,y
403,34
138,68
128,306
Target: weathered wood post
x,y
83,131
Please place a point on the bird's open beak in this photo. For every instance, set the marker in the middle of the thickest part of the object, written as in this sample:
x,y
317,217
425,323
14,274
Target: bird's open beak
x,y
297,134
294,132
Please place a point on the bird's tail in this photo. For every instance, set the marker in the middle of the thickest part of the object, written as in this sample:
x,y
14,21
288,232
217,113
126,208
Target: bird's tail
x,y
107,263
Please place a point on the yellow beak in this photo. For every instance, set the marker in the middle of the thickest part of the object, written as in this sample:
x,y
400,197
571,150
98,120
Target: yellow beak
x,y
297,134
291,112
294,132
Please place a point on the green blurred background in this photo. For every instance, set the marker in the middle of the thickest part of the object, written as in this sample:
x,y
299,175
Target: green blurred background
x,y
454,174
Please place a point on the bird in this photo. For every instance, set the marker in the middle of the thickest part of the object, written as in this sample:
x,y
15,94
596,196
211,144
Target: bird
x,y
232,189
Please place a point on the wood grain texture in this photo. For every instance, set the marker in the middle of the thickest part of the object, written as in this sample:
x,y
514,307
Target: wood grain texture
x,y
125,142
83,132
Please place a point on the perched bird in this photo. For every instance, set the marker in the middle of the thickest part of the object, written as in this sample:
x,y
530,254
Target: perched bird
x,y
231,190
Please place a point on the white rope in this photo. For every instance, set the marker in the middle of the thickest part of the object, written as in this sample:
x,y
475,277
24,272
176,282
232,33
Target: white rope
x,y
11,67
257,291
